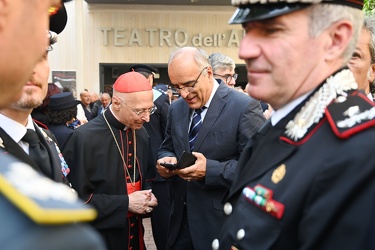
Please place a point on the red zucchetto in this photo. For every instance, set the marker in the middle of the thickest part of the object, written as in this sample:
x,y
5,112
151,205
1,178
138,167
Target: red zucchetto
x,y
131,82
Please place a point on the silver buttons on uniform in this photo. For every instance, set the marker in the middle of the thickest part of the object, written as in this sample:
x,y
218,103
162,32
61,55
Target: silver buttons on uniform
x,y
228,208
215,244
240,234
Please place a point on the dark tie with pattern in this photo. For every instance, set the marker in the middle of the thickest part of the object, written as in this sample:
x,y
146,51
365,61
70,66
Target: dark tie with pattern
x,y
37,152
195,126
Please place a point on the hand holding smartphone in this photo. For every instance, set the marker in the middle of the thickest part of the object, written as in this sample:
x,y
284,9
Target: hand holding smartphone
x,y
170,166
186,160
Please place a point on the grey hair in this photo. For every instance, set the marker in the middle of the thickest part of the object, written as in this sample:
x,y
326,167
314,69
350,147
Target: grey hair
x,y
106,95
200,56
222,62
369,25
324,15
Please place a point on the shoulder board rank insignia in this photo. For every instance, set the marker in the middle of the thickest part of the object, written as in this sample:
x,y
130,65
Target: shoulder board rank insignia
x,y
41,199
351,114
278,174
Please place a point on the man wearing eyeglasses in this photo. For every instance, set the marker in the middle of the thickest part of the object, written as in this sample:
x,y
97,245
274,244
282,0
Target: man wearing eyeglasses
x,y
111,163
228,119
223,67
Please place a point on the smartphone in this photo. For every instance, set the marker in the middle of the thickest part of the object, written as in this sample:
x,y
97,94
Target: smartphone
x,y
168,165
186,160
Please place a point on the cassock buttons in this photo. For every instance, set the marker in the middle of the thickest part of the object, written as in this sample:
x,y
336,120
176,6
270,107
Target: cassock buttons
x,y
215,244
240,234
228,208
130,154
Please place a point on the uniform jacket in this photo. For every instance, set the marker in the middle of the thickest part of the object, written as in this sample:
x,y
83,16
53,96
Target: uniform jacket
x,y
314,189
61,132
66,232
231,119
48,140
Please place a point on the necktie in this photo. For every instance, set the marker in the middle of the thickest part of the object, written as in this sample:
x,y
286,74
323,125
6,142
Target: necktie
x,y
195,126
37,152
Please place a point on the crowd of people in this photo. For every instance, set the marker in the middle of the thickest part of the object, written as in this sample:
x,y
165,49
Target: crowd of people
x,y
287,165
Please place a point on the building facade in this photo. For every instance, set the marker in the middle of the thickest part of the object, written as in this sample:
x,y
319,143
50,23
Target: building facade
x,y
101,41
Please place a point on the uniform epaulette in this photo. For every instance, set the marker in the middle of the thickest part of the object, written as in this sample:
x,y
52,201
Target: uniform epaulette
x,y
41,199
350,115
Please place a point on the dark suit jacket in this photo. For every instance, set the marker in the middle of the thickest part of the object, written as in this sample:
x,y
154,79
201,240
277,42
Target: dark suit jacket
x,y
87,112
13,148
231,119
95,108
156,127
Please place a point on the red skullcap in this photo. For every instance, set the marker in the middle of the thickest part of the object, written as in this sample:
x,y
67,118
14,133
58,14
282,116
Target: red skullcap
x,y
132,82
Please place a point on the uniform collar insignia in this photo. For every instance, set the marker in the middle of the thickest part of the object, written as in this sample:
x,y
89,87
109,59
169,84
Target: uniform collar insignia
x,y
311,113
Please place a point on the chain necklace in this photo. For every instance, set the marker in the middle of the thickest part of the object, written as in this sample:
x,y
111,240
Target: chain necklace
x,y
132,181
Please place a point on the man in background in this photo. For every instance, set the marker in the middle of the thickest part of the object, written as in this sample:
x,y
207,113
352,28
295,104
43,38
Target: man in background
x,y
94,104
85,103
362,63
105,99
223,67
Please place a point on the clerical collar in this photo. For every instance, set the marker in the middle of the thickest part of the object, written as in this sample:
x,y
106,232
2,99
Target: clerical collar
x,y
112,120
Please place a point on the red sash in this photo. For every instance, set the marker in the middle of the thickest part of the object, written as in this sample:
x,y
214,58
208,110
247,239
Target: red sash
x,y
131,189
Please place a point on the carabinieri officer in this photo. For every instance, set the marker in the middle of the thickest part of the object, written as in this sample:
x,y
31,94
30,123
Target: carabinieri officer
x,y
306,179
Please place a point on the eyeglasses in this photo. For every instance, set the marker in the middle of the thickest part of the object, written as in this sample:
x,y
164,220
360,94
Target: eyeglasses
x,y
140,112
228,78
189,88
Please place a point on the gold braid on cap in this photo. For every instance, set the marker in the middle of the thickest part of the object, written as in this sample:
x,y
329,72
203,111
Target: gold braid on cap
x,y
237,3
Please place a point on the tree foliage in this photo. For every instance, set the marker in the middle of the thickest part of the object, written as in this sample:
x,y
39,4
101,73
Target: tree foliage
x,y
369,6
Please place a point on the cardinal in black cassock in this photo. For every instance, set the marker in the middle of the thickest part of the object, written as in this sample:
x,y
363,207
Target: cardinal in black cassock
x,y
110,161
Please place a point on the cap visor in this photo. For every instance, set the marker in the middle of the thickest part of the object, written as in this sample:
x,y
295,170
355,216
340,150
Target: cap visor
x,y
257,12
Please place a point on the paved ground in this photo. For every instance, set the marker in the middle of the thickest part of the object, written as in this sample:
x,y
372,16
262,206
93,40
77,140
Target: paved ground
x,y
149,240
